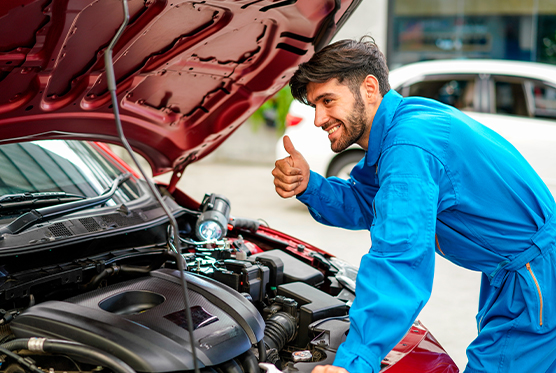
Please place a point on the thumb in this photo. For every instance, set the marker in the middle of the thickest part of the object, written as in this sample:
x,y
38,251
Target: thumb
x,y
288,145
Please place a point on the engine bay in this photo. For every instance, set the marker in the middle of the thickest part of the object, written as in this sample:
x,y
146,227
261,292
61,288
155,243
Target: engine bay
x,y
255,295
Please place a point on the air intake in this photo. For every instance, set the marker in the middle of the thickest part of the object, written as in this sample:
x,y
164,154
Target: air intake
x,y
59,230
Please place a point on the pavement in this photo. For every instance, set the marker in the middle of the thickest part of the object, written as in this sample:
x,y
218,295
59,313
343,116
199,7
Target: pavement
x,y
449,314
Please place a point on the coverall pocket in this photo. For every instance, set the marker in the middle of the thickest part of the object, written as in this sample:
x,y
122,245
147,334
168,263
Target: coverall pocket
x,y
538,289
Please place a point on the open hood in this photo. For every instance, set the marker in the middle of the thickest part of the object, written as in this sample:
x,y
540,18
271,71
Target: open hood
x,y
188,72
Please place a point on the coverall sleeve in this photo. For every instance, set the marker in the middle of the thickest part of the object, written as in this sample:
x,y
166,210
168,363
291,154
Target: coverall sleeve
x,y
395,278
342,203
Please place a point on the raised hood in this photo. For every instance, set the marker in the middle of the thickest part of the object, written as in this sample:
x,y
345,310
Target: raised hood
x,y
188,72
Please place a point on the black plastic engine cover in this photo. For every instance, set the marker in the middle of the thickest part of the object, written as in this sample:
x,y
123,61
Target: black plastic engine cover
x,y
314,305
142,322
293,269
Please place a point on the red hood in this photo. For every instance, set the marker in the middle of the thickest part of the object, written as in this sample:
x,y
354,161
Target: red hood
x,y
188,73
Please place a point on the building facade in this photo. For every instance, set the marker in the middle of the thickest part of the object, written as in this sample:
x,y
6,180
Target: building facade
x,y
420,30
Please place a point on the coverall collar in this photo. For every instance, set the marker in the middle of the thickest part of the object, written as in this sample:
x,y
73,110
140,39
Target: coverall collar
x,y
381,124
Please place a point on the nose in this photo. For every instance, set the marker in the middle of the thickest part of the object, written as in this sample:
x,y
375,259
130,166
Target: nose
x,y
321,118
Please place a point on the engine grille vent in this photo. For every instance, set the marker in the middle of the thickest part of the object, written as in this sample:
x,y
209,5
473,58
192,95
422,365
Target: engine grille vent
x,y
121,221
59,230
90,224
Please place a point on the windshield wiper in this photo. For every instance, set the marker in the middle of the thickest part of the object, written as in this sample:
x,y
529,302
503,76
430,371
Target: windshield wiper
x,y
31,196
18,201
37,215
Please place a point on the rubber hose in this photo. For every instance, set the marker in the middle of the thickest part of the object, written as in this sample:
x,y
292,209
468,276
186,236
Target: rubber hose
x,y
279,330
16,344
262,350
124,268
74,349
230,366
98,278
249,362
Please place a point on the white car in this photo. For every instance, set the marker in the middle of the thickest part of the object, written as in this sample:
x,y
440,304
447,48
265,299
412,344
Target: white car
x,y
516,99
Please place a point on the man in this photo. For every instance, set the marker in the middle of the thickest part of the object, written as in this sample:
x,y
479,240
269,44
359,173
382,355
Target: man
x,y
432,179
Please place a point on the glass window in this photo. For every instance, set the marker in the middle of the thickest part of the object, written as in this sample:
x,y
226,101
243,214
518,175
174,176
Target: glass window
x,y
509,98
444,29
457,92
544,100
75,167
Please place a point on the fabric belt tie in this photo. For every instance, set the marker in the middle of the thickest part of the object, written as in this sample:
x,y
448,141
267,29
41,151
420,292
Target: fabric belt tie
x,y
543,241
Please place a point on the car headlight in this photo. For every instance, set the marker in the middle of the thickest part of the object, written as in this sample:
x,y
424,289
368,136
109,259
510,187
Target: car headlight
x,y
212,224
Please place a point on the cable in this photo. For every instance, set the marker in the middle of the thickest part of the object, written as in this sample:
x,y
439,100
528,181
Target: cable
x,y
26,362
111,82
312,327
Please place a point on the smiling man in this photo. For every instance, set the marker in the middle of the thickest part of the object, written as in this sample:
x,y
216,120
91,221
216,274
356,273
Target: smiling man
x,y
432,179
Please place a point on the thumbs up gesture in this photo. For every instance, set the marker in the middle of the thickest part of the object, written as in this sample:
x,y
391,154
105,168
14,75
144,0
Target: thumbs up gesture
x,y
291,174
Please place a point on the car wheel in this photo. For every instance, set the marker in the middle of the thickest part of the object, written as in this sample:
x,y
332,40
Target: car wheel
x,y
342,164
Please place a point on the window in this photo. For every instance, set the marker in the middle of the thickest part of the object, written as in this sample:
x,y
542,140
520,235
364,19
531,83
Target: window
x,y
544,100
75,167
421,30
509,97
459,92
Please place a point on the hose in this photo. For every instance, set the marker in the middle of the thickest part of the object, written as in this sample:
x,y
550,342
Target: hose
x,y
279,330
73,349
26,362
113,270
262,350
249,362
230,366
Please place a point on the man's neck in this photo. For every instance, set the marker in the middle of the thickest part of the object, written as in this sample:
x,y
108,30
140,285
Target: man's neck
x,y
371,112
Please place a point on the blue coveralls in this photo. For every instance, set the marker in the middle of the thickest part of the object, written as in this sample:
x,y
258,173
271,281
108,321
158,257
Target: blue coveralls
x,y
435,179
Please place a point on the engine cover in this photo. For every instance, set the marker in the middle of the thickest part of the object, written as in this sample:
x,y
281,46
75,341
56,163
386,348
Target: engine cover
x,y
143,322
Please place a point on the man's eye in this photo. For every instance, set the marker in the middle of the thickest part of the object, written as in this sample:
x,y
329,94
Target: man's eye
x,y
326,101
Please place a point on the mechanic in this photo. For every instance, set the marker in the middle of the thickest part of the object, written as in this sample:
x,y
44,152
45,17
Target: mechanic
x,y
432,179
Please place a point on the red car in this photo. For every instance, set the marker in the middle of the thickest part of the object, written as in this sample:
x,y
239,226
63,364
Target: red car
x,y
102,270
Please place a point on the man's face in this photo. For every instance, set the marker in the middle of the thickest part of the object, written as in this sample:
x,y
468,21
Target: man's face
x,y
338,112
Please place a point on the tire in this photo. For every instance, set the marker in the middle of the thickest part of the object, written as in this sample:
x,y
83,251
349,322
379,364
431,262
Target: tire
x,y
342,164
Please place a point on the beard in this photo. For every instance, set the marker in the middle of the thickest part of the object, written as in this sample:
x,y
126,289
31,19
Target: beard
x,y
354,127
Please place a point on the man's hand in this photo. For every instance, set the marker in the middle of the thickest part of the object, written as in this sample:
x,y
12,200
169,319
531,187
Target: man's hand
x,y
328,369
291,174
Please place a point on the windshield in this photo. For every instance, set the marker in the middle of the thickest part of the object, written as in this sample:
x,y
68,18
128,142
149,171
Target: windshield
x,y
75,167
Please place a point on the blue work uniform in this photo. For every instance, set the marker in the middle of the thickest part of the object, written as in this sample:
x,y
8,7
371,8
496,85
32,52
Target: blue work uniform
x,y
435,179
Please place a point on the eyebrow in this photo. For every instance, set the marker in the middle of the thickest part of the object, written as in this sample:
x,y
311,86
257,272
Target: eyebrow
x,y
319,97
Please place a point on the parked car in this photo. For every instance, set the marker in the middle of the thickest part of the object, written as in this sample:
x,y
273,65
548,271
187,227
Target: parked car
x,y
516,99
102,270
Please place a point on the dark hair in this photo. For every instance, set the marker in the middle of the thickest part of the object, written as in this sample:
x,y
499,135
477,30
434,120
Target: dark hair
x,y
345,60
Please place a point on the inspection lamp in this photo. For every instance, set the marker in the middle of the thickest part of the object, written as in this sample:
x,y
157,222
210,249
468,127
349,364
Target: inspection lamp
x,y
212,224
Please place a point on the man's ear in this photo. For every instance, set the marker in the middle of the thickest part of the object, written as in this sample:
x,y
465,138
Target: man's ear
x,y
370,87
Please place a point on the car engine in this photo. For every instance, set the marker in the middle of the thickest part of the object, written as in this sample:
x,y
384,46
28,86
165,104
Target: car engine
x,y
255,295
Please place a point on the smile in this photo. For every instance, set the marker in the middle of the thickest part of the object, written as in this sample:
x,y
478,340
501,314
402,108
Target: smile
x,y
333,129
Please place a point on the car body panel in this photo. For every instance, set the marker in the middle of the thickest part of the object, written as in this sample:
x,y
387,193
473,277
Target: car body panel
x,y
532,70
188,73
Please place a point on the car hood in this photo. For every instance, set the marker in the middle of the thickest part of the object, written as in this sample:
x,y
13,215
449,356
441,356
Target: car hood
x,y
188,73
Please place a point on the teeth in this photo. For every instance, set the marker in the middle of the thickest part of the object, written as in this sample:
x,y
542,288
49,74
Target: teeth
x,y
334,129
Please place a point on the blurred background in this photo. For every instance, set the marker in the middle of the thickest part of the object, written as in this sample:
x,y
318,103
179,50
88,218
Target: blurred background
x,y
406,31
409,31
